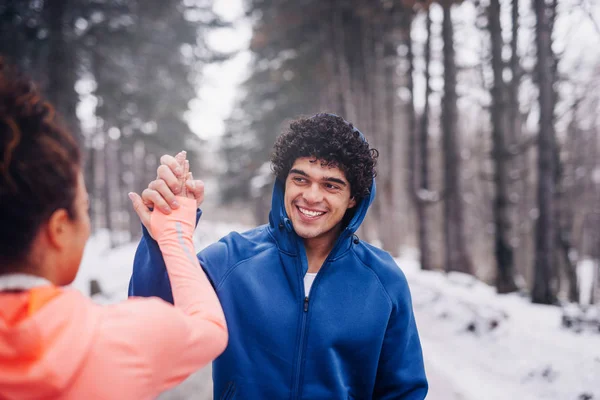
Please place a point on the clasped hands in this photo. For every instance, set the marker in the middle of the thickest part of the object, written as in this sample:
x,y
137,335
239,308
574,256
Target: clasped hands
x,y
173,178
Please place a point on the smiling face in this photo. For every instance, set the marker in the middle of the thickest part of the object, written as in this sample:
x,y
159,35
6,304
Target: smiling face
x,y
316,198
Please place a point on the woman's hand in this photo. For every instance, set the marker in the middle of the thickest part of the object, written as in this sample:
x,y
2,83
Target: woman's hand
x,y
187,188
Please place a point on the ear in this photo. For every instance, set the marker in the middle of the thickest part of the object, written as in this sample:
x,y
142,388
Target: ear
x,y
57,228
352,202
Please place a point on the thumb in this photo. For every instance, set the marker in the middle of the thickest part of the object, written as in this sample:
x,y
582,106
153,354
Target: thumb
x,y
196,187
141,210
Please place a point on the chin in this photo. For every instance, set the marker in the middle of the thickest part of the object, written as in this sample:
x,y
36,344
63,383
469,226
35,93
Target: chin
x,y
308,233
305,235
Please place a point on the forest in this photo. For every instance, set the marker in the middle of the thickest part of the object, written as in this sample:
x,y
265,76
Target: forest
x,y
486,114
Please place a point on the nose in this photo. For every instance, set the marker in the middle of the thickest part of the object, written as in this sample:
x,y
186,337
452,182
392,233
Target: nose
x,y
313,194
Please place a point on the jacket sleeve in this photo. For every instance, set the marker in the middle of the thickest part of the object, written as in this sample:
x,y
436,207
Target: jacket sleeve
x,y
401,371
150,277
156,344
194,332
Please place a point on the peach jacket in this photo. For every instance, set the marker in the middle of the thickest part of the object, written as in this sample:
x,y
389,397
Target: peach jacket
x,y
55,343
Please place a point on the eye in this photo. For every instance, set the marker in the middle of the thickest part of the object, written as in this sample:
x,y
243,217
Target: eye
x,y
298,179
331,186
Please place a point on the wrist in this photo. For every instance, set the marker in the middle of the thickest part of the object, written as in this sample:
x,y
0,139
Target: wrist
x,y
180,221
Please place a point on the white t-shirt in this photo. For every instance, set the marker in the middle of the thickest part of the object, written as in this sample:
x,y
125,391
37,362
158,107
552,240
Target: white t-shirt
x,y
309,278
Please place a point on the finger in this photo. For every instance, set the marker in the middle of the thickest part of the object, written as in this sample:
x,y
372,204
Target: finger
x,y
182,179
186,192
148,204
140,209
181,157
197,189
172,163
186,171
166,174
152,196
164,190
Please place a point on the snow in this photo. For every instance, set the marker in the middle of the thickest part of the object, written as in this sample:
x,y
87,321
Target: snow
x,y
500,346
477,344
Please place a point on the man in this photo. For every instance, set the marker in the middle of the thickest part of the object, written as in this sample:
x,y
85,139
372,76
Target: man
x,y
313,312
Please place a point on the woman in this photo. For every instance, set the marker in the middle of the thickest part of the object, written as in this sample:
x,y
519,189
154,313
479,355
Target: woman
x,y
56,343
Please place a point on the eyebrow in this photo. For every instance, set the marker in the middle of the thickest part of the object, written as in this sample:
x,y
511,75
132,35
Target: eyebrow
x,y
327,178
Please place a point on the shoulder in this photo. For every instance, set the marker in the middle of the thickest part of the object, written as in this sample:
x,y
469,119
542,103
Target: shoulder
x,y
233,249
238,244
383,265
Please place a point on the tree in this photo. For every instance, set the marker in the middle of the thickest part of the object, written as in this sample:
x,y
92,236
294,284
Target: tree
x,y
457,258
505,282
545,232
145,59
62,66
419,157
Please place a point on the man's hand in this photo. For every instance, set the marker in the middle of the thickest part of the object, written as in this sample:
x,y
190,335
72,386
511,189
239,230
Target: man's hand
x,y
172,179
161,192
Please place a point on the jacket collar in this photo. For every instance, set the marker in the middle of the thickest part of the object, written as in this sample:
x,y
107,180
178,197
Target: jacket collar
x,y
20,281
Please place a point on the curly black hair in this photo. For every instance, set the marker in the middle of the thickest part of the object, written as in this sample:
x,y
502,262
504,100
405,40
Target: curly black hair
x,y
39,164
332,140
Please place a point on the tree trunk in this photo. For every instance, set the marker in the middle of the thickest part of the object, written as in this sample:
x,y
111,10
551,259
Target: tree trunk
x,y
328,95
62,76
514,120
120,194
90,182
380,129
565,247
391,145
12,34
456,253
519,162
423,159
503,251
367,75
108,188
368,228
544,265
343,67
138,169
404,125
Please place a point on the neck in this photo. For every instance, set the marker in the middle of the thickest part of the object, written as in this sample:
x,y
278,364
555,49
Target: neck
x,y
38,264
317,249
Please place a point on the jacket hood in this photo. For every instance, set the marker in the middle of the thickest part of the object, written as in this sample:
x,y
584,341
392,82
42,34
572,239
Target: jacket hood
x,y
279,220
45,334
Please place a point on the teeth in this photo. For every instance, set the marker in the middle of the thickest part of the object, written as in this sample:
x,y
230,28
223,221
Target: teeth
x,y
310,213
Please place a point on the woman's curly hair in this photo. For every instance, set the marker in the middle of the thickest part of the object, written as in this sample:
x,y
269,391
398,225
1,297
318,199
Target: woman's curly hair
x,y
333,141
39,164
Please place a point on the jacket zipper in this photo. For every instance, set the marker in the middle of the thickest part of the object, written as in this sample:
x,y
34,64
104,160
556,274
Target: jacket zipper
x,y
296,389
301,349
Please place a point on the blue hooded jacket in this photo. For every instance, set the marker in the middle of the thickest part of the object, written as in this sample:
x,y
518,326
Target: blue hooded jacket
x,y
354,337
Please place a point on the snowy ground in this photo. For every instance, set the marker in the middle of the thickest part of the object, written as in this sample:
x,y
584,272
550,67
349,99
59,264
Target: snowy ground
x,y
477,345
